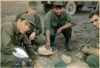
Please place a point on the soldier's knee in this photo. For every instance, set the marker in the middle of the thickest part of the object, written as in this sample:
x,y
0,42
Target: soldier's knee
x,y
92,61
9,62
14,60
40,40
90,58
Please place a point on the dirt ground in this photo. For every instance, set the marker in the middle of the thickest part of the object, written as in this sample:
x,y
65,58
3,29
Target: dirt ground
x,y
83,33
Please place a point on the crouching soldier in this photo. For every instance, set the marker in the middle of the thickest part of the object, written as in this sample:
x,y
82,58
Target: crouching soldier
x,y
12,36
58,21
34,34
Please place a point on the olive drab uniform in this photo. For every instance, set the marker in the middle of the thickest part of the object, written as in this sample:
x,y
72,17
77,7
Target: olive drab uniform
x,y
11,38
91,60
53,22
40,38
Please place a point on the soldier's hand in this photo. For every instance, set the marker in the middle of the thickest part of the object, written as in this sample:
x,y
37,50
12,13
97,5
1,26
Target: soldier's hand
x,y
32,36
47,45
84,49
37,64
58,31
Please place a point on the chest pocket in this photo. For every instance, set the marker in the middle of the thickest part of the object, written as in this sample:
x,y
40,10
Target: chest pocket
x,y
63,20
53,23
58,23
17,39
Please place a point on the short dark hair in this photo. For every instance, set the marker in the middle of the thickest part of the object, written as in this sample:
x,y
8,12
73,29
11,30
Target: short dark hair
x,y
94,12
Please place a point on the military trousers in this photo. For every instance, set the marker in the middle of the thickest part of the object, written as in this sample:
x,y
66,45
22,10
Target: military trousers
x,y
39,40
91,60
9,60
66,32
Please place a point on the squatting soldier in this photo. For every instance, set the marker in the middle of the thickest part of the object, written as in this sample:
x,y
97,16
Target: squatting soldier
x,y
58,21
34,34
12,36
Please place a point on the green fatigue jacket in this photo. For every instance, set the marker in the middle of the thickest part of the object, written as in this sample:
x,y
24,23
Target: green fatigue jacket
x,y
52,22
38,28
39,39
11,38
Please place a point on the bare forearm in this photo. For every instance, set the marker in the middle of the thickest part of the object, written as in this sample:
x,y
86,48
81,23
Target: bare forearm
x,y
93,51
48,35
32,36
68,25
37,64
35,61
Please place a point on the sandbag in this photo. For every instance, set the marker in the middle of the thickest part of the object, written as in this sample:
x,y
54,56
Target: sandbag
x,y
42,50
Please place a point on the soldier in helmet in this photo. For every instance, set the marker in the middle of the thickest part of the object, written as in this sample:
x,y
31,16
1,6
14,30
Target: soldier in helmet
x,y
58,21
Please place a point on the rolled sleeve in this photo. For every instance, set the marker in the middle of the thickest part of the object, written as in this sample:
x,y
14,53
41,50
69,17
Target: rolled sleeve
x,y
47,22
69,19
29,48
39,27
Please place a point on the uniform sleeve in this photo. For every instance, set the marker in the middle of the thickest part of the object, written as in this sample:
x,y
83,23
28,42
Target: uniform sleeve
x,y
32,29
69,19
29,48
7,45
39,27
47,22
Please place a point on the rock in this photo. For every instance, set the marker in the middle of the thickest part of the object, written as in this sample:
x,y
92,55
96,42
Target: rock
x,y
80,56
78,64
66,59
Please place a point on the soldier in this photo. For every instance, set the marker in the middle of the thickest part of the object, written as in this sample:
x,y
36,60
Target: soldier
x,y
58,21
91,55
12,36
34,34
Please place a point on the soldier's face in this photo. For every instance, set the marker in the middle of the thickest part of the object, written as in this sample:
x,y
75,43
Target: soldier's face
x,y
58,11
95,20
24,26
31,10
